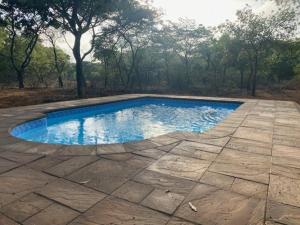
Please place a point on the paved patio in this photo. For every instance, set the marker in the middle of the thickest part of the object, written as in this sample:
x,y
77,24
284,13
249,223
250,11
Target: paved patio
x,y
245,171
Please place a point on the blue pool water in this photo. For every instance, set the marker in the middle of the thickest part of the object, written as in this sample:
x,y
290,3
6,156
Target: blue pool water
x,y
124,121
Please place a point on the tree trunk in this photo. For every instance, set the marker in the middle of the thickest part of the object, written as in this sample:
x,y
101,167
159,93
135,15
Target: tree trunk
x,y
249,78
224,75
20,76
168,76
242,78
138,76
253,92
80,79
167,71
208,63
60,82
187,72
105,74
216,81
79,73
129,72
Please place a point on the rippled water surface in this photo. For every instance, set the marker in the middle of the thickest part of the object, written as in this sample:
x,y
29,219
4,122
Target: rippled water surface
x,y
125,121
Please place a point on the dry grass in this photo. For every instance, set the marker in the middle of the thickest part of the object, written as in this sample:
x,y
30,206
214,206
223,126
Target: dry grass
x,y
15,97
283,95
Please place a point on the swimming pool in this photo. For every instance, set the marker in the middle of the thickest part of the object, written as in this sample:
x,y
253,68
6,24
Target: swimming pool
x,y
124,121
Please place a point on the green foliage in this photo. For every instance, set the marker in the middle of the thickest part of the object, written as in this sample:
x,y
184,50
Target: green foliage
x,y
186,55
41,71
23,22
258,33
121,42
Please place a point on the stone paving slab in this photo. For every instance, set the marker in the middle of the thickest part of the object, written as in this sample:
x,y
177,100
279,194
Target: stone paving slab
x,y
133,191
55,214
163,201
244,171
111,149
249,146
193,153
217,206
18,146
19,182
7,221
116,211
288,132
139,162
284,190
286,140
218,180
285,171
256,122
244,165
249,188
122,157
104,175
254,134
77,151
164,140
151,153
180,166
141,145
45,163
286,161
67,167
25,207
186,145
167,148
6,165
202,138
70,194
283,214
19,157
286,151
165,182
176,221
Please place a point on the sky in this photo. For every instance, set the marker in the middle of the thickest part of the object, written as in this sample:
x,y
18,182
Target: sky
x,y
206,12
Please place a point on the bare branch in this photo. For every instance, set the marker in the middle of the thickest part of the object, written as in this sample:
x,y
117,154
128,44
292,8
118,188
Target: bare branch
x,y
92,45
64,36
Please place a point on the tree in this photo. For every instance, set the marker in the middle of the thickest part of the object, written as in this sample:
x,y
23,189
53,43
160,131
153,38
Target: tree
x,y
205,50
163,40
257,32
241,64
282,61
126,36
79,17
82,16
105,50
188,36
42,71
59,61
24,23
6,72
290,3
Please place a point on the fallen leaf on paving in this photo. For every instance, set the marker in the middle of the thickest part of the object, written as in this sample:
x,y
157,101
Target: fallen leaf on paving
x,y
192,207
84,182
